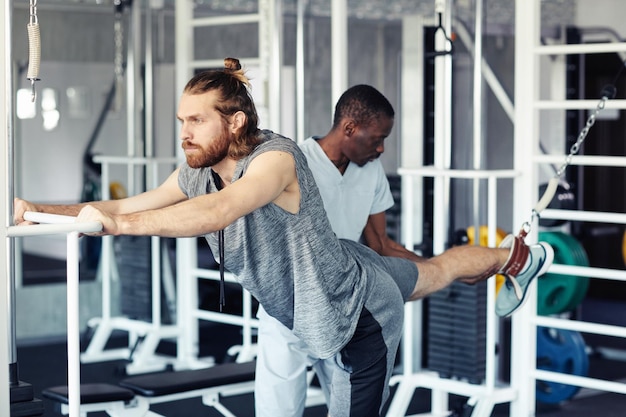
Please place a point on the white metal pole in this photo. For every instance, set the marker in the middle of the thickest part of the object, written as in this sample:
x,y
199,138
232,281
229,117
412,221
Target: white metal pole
x,y
5,123
9,183
186,248
523,333
339,48
276,64
300,134
149,85
477,115
73,325
65,224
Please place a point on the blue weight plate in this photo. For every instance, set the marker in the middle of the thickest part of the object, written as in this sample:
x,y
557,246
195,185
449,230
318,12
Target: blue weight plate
x,y
562,351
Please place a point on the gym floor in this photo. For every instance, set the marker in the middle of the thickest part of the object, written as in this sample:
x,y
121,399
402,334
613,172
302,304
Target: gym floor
x,y
44,365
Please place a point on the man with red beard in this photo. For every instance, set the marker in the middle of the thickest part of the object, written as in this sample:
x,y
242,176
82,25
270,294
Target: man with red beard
x,y
251,194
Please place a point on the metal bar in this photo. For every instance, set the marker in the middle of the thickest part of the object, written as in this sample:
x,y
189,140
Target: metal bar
x,y
607,161
491,325
223,318
211,274
226,20
339,49
133,46
73,325
219,63
589,272
578,104
488,74
594,48
8,353
37,217
608,386
580,326
587,216
430,171
49,229
149,84
525,141
408,345
186,248
300,111
135,160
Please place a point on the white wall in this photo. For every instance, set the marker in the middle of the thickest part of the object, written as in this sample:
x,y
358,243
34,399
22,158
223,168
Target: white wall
x,y
602,13
49,164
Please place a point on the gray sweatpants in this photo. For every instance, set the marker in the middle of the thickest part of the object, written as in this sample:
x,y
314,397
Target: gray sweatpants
x,y
356,379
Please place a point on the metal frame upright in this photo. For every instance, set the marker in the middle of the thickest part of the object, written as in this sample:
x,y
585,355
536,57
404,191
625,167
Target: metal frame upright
x,y
5,128
529,105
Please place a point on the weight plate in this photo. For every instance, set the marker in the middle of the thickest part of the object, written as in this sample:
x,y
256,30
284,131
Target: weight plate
x,y
562,351
557,293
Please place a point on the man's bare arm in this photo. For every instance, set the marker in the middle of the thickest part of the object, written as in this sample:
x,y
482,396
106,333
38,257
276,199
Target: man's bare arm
x,y
270,178
166,194
376,237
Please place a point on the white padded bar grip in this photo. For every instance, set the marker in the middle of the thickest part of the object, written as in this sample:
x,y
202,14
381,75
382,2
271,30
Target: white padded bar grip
x,y
548,194
47,218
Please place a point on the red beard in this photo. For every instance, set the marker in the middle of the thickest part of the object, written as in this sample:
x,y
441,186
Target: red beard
x,y
216,151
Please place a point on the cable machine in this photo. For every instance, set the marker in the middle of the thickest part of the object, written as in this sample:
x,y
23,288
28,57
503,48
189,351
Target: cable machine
x,y
528,207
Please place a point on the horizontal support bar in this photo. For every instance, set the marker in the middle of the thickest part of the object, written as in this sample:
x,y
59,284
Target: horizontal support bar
x,y
580,326
212,274
589,272
578,104
226,20
586,48
224,318
586,160
580,381
430,171
219,63
584,216
125,160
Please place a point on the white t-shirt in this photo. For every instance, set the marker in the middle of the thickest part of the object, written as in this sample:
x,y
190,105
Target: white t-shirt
x,y
349,199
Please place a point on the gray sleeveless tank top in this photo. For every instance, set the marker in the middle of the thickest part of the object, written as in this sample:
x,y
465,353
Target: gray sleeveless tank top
x,y
293,264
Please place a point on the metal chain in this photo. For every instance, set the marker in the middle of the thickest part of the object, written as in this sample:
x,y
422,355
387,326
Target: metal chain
x,y
574,149
582,136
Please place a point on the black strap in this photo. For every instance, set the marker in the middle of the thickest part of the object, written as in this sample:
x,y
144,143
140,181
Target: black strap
x,y
220,245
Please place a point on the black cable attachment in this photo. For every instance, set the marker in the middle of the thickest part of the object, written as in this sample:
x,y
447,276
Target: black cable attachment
x,y
441,28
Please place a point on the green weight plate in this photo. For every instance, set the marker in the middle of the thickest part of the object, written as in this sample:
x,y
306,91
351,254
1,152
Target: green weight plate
x,y
558,293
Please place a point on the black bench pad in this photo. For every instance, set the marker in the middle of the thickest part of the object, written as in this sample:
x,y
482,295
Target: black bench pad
x,y
164,383
90,393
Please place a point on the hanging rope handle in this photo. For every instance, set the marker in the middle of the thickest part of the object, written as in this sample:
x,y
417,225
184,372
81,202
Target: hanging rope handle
x,y
34,48
608,92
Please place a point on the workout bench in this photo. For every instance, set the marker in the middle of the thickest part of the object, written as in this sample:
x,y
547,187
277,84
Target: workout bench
x,y
133,396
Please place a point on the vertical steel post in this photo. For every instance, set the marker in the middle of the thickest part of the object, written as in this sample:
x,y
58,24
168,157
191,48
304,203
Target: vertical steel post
x,y
7,286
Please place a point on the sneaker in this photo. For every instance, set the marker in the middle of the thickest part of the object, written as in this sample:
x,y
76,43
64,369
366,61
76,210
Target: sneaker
x,y
512,295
